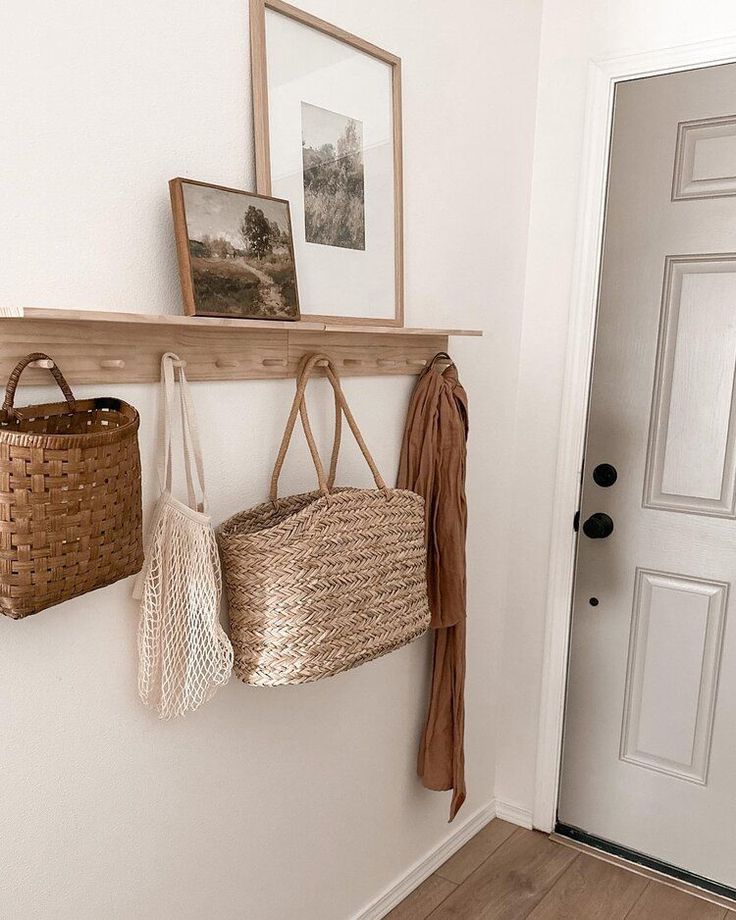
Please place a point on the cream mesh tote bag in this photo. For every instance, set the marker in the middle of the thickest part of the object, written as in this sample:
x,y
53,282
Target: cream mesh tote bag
x,y
184,653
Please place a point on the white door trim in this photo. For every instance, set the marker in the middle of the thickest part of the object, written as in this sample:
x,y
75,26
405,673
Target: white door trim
x,y
602,79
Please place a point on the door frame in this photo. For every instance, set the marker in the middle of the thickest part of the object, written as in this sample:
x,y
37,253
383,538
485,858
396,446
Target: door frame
x,y
603,75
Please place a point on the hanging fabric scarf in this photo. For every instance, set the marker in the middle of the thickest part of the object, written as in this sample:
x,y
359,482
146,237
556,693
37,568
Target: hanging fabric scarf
x,y
433,464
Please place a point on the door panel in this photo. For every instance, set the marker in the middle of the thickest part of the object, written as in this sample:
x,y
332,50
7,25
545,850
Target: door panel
x,y
705,157
649,759
674,659
692,460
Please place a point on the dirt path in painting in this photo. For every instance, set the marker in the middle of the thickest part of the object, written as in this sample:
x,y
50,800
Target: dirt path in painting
x,y
269,291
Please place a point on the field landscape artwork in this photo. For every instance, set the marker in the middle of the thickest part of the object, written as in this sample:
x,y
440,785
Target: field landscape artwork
x,y
334,188
241,254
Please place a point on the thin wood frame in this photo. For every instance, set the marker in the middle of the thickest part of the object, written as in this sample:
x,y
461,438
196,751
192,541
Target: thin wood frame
x,y
259,75
184,254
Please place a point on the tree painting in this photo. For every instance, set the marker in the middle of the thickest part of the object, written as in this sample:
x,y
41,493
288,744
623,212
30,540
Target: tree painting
x,y
258,232
334,194
241,253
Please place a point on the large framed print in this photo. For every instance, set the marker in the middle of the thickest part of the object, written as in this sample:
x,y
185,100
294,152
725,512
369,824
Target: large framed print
x,y
327,120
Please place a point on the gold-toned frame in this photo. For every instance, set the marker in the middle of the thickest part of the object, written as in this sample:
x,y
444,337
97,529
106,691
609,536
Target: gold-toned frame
x,y
259,73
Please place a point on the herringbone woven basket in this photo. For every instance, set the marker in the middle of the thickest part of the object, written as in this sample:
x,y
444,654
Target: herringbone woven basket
x,y
323,581
70,497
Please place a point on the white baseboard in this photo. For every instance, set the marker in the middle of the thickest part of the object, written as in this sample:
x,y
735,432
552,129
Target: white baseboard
x,y
425,867
514,814
508,811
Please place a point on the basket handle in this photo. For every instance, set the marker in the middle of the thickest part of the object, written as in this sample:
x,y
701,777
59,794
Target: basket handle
x,y
18,370
299,407
332,473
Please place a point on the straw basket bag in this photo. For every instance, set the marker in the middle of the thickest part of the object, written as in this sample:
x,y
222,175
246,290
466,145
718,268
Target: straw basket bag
x,y
184,654
70,496
323,581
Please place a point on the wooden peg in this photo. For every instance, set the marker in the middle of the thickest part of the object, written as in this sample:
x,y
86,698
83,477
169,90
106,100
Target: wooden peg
x,y
226,362
386,362
352,362
416,362
46,363
112,364
274,362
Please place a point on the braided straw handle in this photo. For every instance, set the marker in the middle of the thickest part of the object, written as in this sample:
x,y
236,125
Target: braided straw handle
x,y
338,425
299,407
18,370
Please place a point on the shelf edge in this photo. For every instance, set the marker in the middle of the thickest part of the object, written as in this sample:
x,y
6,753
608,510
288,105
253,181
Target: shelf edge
x,y
172,319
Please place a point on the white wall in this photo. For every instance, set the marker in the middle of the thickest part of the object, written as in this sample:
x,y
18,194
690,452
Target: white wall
x,y
573,33
266,804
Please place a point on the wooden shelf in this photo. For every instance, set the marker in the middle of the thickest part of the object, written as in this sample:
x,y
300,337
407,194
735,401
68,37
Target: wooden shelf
x,y
102,347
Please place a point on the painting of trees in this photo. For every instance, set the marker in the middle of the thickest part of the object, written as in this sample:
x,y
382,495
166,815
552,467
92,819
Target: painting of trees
x,y
240,253
332,165
258,232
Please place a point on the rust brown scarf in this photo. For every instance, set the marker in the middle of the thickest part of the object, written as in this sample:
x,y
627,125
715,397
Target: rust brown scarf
x,y
433,464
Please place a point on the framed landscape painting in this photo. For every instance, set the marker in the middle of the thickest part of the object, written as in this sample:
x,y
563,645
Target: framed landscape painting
x,y
236,252
327,119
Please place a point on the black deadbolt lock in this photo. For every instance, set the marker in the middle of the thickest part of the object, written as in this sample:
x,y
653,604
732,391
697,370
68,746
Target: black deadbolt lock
x,y
605,475
598,526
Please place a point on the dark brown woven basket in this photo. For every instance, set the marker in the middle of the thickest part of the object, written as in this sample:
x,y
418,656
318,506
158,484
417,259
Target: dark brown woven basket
x,y
70,497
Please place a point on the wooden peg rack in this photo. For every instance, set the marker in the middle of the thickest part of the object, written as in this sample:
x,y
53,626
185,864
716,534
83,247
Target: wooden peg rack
x,y
101,347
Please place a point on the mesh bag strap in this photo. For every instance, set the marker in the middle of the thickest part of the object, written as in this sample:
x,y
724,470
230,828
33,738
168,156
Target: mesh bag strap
x,y
172,367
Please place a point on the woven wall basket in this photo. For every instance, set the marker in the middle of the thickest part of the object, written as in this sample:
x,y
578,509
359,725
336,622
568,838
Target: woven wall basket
x,y
70,497
321,582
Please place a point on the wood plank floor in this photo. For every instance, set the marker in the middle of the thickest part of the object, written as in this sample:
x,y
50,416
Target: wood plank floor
x,y
507,873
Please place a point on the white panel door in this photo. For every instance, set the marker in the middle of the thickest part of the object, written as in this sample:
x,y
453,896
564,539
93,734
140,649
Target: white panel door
x,y
649,759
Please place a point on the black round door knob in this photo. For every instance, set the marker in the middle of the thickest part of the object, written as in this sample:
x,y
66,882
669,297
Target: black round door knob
x,y
605,475
598,526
